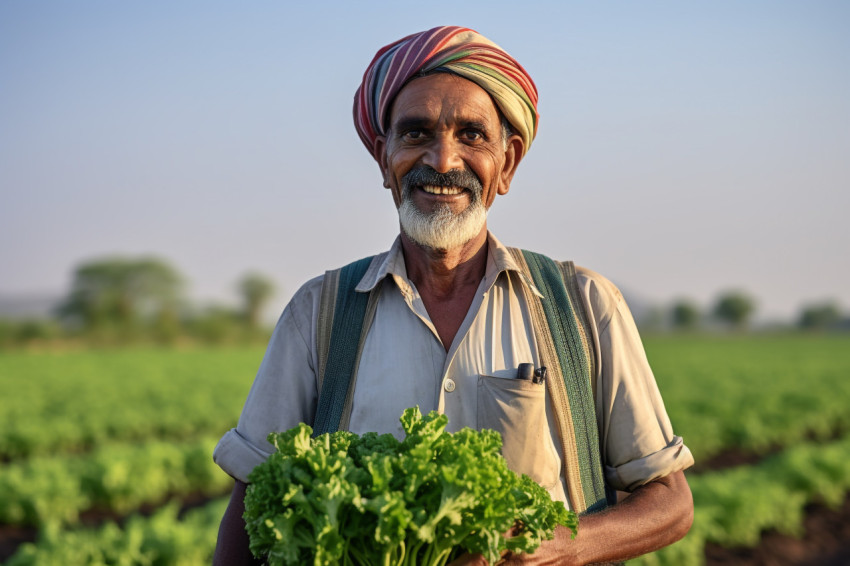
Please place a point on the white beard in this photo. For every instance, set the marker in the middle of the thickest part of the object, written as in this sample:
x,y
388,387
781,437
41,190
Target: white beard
x,y
441,229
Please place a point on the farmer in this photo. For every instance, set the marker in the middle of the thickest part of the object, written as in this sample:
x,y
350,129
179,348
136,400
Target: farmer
x,y
450,319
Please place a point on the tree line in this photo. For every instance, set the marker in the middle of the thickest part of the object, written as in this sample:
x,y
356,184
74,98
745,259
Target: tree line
x,y
735,310
119,300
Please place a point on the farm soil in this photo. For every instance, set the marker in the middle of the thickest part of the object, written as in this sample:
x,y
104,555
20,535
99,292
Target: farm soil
x,y
824,543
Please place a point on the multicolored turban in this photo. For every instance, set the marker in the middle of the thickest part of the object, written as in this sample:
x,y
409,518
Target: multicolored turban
x,y
453,49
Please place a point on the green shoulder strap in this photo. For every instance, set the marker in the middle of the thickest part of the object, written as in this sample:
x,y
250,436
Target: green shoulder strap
x,y
565,347
344,318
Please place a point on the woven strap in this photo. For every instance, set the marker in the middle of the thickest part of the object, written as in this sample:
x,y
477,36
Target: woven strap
x,y
348,314
561,329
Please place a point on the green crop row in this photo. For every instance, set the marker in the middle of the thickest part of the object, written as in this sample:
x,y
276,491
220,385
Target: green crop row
x,y
164,539
114,478
75,401
734,507
753,393
59,410
744,392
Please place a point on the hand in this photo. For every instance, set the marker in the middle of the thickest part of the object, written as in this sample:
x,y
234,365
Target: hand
x,y
467,559
549,552
654,515
477,559
556,551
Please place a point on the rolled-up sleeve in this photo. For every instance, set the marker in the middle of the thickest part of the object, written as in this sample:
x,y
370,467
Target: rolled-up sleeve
x,y
638,443
284,392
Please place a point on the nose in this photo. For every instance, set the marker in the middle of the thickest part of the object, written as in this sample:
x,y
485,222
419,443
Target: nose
x,y
442,154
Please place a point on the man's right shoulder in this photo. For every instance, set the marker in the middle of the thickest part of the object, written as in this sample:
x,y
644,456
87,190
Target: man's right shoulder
x,y
303,307
305,302
310,291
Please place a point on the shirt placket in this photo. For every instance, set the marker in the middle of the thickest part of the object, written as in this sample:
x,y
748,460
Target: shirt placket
x,y
414,302
458,386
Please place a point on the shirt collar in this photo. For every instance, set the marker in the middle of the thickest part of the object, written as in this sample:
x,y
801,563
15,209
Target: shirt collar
x,y
499,260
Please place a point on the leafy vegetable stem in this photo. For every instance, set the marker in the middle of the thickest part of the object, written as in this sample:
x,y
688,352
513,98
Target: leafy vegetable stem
x,y
435,555
410,559
358,555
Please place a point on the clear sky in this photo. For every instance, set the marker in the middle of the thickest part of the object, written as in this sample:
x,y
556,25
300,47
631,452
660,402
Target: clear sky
x,y
684,148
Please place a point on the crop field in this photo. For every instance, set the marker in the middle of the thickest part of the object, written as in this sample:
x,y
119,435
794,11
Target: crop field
x,y
777,403
106,456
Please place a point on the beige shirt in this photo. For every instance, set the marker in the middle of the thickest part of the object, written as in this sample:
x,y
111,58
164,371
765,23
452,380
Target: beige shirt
x,y
404,364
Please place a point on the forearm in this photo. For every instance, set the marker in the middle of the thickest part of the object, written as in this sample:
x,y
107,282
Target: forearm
x,y
232,546
655,515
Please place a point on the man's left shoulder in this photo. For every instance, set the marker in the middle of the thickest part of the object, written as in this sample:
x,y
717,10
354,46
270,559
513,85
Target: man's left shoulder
x,y
601,295
590,280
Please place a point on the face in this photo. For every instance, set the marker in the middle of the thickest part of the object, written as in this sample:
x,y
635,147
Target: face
x,y
444,155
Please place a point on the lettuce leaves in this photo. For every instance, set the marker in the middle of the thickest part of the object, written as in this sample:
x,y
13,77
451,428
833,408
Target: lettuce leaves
x,y
370,500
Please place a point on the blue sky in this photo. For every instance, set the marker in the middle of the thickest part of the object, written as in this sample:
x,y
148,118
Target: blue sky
x,y
684,148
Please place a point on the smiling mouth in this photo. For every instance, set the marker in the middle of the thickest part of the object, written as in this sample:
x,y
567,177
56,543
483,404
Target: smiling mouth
x,y
439,190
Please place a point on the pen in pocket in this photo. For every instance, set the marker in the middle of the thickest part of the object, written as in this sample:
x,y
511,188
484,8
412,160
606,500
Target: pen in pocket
x,y
540,375
528,372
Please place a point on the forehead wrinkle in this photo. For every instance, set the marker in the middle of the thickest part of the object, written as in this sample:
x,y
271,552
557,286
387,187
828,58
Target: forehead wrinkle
x,y
407,122
434,103
468,112
404,122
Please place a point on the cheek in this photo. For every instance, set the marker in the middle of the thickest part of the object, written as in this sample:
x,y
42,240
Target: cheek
x,y
399,164
488,173
393,173
396,191
395,162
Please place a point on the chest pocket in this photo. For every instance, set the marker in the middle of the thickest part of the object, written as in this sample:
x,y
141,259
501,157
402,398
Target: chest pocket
x,y
516,409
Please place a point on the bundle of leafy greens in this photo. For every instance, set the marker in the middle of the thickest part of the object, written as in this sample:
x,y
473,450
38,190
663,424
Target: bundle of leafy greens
x,y
373,500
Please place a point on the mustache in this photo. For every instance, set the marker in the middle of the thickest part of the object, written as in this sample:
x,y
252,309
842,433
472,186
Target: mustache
x,y
426,175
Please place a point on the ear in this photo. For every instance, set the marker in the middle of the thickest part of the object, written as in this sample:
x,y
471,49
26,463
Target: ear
x,y
513,155
380,155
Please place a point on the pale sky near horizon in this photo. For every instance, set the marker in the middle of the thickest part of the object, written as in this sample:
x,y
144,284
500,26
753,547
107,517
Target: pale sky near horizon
x,y
684,148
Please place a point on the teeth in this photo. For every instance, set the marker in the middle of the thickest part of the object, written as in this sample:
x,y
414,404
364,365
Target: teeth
x,y
434,190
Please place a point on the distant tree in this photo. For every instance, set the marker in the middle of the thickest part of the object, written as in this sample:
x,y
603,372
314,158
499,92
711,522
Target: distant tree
x,y
256,290
734,308
7,332
819,316
166,326
685,314
118,293
34,330
216,325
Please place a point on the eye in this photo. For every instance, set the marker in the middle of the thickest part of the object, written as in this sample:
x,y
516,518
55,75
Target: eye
x,y
412,135
472,135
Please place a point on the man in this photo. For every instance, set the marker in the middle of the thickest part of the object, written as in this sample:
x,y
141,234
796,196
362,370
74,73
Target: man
x,y
448,116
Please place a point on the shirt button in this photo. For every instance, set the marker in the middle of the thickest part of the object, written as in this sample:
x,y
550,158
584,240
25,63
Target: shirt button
x,y
449,385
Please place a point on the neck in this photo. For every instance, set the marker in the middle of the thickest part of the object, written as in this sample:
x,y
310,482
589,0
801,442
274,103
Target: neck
x,y
442,273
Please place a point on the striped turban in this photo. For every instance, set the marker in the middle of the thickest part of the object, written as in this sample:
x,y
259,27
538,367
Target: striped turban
x,y
453,49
